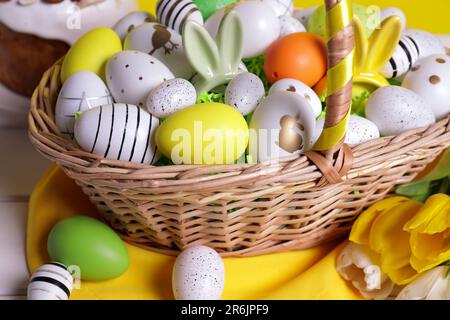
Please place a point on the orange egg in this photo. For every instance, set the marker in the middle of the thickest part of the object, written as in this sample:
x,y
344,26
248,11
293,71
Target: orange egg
x,y
301,56
321,87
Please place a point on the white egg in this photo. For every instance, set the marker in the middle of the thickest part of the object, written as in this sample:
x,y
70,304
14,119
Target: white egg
x,y
81,91
119,132
198,274
303,15
427,43
174,14
298,87
289,25
395,110
393,11
282,125
52,281
430,79
280,7
162,43
245,92
260,24
404,57
171,96
132,74
360,130
132,21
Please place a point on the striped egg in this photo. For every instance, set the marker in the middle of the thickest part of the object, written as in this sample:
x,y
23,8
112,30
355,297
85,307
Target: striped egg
x,y
52,281
118,132
175,13
404,57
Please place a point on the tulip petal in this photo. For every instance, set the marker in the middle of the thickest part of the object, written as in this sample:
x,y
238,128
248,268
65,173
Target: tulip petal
x,y
434,216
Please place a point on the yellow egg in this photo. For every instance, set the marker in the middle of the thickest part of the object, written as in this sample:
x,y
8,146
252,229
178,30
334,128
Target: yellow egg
x,y
209,133
91,52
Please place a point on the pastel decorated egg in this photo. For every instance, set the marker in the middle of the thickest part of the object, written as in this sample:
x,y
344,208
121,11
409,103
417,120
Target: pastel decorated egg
x,y
404,57
393,11
208,7
52,281
298,87
430,79
303,15
395,110
91,52
132,74
427,43
174,14
132,21
118,132
81,91
289,25
162,43
301,56
259,22
171,96
198,274
245,92
208,133
89,244
281,7
282,125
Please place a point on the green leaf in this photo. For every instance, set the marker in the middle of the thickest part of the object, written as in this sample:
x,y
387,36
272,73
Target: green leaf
x,y
207,97
395,82
359,104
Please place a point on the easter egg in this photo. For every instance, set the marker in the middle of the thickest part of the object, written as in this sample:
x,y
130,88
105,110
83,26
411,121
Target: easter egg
x,y
162,43
245,92
132,74
289,25
81,91
393,11
298,87
89,244
52,281
369,16
91,52
427,43
301,56
208,7
118,132
259,22
171,96
395,110
132,21
198,274
303,15
430,79
280,7
282,125
174,14
406,54
209,133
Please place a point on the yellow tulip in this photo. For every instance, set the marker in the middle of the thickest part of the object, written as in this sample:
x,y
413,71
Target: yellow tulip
x,y
430,233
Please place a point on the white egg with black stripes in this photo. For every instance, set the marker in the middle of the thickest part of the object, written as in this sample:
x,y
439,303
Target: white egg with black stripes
x,y
404,57
52,281
119,132
427,43
175,14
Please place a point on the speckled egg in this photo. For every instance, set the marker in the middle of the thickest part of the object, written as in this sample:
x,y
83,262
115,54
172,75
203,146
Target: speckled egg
x,y
132,74
198,274
289,24
132,21
281,7
303,15
393,11
245,92
163,43
395,110
171,96
430,79
298,87
427,43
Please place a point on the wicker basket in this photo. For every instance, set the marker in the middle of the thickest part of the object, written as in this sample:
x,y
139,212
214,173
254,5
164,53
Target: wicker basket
x,y
244,209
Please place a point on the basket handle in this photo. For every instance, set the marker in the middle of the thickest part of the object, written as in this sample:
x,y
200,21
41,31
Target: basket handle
x,y
331,156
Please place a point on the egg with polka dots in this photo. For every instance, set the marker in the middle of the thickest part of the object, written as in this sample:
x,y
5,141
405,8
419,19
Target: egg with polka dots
x,y
132,74
245,92
289,25
198,274
430,78
171,96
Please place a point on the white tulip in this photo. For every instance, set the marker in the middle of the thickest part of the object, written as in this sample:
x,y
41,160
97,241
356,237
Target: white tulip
x,y
431,285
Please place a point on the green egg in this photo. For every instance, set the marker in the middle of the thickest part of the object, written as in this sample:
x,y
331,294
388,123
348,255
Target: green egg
x,y
208,7
89,244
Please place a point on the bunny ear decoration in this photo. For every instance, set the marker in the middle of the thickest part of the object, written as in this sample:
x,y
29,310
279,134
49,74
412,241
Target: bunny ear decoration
x,y
230,41
383,43
361,45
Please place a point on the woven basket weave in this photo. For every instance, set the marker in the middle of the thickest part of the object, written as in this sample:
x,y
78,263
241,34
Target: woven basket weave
x,y
243,209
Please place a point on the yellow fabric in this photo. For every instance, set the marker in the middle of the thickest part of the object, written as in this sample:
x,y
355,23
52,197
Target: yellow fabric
x,y
338,18
339,75
308,274
331,136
